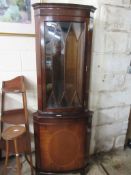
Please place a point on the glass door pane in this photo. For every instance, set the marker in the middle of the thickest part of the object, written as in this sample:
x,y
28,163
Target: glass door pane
x,y
64,56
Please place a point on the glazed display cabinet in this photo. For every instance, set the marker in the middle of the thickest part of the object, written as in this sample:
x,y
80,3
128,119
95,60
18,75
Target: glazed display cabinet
x,y
62,124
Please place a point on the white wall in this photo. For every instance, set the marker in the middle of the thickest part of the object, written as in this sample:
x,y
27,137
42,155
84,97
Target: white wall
x,y
17,57
110,90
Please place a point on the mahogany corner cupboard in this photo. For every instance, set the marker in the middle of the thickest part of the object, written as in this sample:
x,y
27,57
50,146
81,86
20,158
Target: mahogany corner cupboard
x,y
62,124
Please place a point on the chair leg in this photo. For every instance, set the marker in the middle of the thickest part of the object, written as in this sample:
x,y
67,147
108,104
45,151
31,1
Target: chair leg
x,y
31,164
6,158
17,158
30,154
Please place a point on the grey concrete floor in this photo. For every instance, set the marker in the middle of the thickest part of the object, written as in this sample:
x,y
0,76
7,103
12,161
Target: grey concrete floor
x,y
112,163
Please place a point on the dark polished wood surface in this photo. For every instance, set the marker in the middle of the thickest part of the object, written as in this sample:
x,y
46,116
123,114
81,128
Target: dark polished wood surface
x,y
64,5
62,126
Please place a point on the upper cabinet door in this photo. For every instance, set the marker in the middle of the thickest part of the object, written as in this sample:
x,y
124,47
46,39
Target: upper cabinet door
x,y
62,50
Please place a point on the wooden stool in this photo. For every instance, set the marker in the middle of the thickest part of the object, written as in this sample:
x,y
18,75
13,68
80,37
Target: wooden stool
x,y
12,133
16,116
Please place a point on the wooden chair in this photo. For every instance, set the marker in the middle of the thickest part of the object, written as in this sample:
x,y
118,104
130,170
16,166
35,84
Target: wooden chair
x,y
16,137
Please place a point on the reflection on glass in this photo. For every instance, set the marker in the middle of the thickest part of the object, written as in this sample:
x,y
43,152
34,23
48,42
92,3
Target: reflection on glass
x,y
64,54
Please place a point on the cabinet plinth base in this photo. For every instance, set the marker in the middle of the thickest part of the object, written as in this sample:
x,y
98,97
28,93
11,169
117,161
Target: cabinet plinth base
x,y
82,171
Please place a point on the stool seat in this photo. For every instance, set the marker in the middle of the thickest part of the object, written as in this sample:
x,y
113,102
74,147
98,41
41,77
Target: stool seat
x,y
13,132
